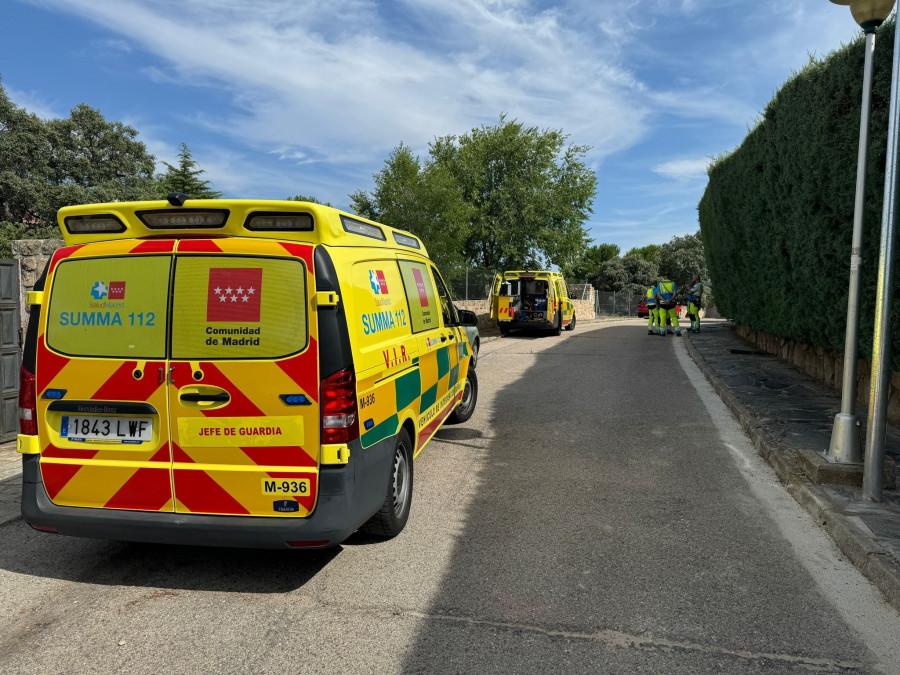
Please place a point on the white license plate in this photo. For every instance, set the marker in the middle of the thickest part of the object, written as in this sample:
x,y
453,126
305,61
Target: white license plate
x,y
110,429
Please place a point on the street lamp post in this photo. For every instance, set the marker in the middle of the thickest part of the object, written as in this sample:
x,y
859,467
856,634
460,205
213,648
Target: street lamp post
x,y
844,448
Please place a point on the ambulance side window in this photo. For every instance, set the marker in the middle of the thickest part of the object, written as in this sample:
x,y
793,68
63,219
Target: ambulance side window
x,y
423,302
448,311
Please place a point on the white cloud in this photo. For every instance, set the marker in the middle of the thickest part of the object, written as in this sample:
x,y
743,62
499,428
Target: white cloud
x,y
333,77
33,103
683,168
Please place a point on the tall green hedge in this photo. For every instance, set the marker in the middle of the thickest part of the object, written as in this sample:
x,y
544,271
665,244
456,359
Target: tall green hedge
x,y
777,215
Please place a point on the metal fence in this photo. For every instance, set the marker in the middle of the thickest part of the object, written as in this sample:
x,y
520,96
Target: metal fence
x,y
616,304
474,285
580,291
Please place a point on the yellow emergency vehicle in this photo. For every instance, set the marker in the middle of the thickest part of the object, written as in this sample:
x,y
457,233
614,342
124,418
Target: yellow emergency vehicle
x,y
234,373
537,300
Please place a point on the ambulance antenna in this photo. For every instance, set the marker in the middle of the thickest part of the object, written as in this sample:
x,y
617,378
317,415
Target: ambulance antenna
x,y
177,198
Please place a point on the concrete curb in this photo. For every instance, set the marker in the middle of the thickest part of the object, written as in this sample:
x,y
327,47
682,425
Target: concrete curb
x,y
866,554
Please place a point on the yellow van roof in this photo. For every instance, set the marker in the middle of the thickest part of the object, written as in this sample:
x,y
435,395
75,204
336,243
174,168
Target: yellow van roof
x,y
268,219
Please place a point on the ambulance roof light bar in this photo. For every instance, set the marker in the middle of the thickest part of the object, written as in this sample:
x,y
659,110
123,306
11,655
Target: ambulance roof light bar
x,y
93,224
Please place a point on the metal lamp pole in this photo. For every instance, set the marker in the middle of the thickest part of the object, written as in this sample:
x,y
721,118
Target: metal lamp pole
x,y
844,448
881,340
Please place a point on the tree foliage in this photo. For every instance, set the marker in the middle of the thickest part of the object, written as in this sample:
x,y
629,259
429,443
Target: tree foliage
x,y
504,196
186,178
421,198
681,258
588,263
650,252
305,198
632,274
47,164
776,215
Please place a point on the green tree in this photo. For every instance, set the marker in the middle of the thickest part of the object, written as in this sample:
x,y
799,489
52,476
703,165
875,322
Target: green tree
x,y
186,178
641,273
611,276
506,196
45,165
651,252
421,198
682,258
588,263
304,198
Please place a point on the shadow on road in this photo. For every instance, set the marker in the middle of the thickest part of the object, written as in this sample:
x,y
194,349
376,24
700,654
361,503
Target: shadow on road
x,y
607,505
94,561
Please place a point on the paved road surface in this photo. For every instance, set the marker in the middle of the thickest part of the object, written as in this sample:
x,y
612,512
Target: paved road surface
x,y
599,513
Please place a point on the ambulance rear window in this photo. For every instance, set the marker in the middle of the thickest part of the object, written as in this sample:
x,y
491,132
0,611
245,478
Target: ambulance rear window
x,y
231,307
110,307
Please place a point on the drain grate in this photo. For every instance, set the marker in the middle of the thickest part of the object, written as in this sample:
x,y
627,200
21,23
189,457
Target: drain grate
x,y
883,526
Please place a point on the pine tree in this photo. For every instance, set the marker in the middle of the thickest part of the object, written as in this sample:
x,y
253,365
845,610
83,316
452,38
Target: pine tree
x,y
186,178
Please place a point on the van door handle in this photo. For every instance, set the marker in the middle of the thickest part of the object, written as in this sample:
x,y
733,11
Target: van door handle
x,y
188,397
203,397
443,338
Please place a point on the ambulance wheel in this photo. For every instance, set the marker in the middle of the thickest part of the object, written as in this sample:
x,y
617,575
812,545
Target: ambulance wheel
x,y
466,406
571,326
391,518
558,329
504,329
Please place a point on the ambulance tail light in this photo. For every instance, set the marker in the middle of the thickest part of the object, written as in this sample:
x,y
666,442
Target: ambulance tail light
x,y
27,403
340,419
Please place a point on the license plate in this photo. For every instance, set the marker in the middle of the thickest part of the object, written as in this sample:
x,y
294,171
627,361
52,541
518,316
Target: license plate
x,y
83,428
285,486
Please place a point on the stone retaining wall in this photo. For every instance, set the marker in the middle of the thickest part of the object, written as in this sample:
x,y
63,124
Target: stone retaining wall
x,y
824,365
32,256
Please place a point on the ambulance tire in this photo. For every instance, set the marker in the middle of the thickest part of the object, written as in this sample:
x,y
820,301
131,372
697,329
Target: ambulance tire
x,y
558,329
571,325
504,329
391,518
466,407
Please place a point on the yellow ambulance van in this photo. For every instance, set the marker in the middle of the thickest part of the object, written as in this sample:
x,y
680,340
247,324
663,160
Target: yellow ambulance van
x,y
234,373
536,300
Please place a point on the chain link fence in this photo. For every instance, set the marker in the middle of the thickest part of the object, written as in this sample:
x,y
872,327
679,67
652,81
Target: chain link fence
x,y
616,304
475,284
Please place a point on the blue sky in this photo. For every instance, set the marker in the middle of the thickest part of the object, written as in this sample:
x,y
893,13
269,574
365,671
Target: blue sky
x,y
283,97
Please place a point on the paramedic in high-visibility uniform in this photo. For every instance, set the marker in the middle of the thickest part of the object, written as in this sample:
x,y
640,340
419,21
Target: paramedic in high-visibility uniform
x,y
694,299
651,310
665,303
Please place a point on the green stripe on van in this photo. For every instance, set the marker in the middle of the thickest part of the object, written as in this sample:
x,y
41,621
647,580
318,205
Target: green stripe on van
x,y
454,376
408,387
378,433
443,361
429,398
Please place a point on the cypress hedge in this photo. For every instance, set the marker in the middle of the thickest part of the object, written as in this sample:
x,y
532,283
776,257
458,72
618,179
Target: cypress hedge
x,y
777,215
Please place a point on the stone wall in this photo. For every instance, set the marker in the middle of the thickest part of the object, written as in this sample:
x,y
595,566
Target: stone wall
x,y
824,365
32,256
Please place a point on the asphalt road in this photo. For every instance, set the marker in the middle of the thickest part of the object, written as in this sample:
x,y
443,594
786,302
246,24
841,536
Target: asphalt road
x,y
600,512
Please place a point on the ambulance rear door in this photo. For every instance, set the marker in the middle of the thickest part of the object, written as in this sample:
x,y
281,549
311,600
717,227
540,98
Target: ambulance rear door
x,y
244,378
100,377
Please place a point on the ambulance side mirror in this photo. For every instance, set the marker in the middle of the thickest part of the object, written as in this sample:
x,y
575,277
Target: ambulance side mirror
x,y
467,318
